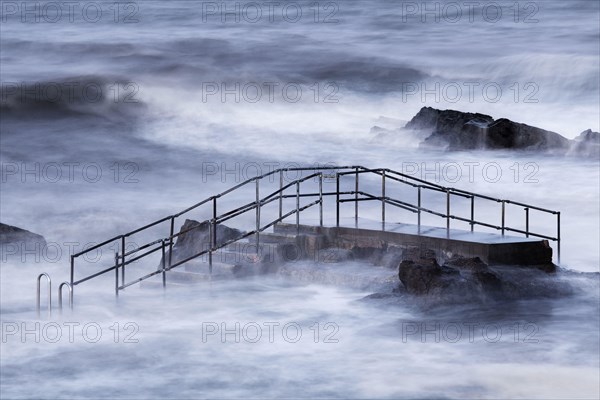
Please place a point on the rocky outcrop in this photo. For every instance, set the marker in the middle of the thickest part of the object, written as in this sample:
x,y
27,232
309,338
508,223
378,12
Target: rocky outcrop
x,y
15,242
587,144
12,234
469,280
456,130
195,237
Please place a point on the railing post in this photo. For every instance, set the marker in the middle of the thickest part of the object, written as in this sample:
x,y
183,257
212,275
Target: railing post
x,y
503,215
212,237
321,199
472,212
297,207
60,305
211,234
419,206
526,221
257,214
356,199
280,194
164,270
337,199
72,272
38,296
558,234
172,232
448,211
123,260
117,274
383,200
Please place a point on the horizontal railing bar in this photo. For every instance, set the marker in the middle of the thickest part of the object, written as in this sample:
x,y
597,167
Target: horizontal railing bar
x,y
531,234
363,170
427,210
400,180
138,280
480,196
147,226
143,255
227,243
140,248
424,182
355,200
516,203
193,207
234,213
236,187
179,263
279,219
401,204
476,222
466,193
265,200
97,246
395,202
446,190
94,275
266,226
289,185
388,200
260,177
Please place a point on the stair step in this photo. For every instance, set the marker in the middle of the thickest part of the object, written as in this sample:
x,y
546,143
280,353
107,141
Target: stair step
x,y
249,247
218,268
278,238
291,231
186,277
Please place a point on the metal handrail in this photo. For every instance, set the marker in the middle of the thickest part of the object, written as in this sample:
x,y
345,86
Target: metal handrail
x,y
356,196
60,302
38,294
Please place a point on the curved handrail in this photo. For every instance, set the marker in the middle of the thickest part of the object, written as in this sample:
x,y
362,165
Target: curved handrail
x,y
60,287
38,297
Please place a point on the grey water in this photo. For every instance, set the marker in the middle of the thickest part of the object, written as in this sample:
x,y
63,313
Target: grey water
x,y
174,92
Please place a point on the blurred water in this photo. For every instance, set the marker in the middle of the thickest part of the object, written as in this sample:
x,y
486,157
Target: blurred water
x,y
153,156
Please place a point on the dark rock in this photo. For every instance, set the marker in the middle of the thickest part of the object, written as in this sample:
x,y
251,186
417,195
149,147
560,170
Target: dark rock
x,y
12,234
587,144
589,136
506,134
415,253
458,130
472,264
470,280
16,242
195,237
486,279
425,276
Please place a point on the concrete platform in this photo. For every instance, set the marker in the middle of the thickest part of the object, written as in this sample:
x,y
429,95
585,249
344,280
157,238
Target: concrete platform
x,y
494,249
